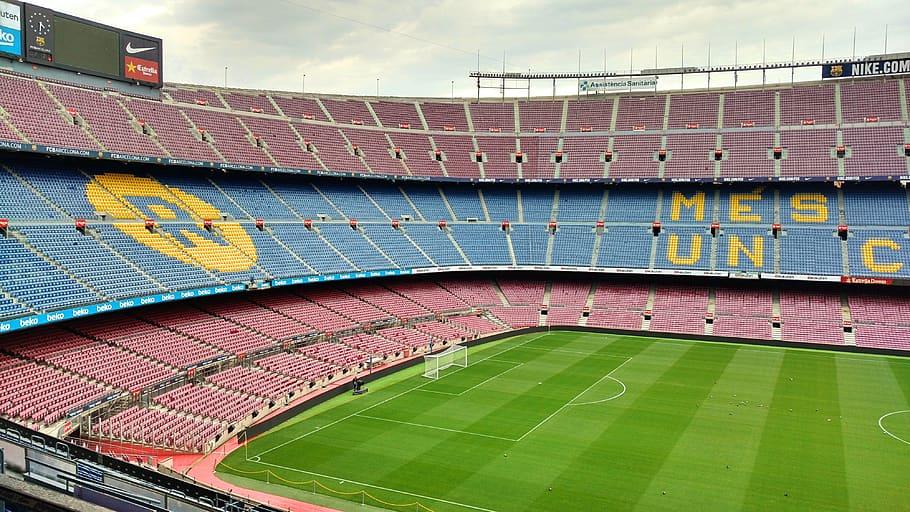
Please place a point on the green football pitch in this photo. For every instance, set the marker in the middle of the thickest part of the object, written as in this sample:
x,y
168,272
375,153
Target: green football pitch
x,y
580,421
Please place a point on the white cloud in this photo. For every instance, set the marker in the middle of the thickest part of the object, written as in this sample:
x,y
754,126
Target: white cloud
x,y
271,43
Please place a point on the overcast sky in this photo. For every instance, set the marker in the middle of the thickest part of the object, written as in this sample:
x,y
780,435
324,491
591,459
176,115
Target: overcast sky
x,y
418,47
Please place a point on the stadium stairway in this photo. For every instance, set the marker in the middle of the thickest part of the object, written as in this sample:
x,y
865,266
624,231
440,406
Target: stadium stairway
x,y
136,268
847,319
589,305
649,309
31,188
335,249
511,246
202,136
776,333
711,312
551,240
143,129
23,240
448,205
75,119
458,248
420,249
545,303
261,144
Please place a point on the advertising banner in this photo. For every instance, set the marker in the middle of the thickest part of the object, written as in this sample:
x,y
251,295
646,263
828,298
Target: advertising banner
x,y
637,83
866,68
141,58
11,29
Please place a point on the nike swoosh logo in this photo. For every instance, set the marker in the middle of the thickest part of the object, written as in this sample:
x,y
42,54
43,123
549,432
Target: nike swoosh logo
x,y
131,50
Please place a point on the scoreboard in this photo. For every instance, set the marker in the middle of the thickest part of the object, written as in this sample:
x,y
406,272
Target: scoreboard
x,y
43,36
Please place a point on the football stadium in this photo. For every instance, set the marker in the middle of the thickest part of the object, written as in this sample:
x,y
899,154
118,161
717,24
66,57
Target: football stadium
x,y
620,295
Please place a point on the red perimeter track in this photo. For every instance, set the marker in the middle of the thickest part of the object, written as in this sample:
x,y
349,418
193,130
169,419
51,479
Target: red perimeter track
x,y
201,468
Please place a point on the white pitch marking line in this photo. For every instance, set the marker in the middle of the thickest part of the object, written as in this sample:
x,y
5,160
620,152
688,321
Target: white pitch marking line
x,y
614,397
564,351
474,386
436,392
377,404
329,477
503,361
433,427
887,431
567,404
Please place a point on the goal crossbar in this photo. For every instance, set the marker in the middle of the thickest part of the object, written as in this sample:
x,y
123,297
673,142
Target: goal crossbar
x,y
456,355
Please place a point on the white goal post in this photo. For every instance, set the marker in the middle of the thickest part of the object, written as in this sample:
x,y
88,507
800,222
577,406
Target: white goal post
x,y
456,355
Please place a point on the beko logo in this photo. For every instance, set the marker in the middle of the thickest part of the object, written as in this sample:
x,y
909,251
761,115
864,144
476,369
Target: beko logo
x,y
6,39
130,49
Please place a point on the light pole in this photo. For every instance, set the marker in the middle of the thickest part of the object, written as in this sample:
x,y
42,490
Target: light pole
x,y
225,77
303,84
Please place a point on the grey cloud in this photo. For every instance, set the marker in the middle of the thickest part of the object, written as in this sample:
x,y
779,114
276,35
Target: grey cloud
x,y
272,43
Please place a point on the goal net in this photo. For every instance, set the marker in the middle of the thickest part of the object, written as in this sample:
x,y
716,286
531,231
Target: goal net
x,y
456,355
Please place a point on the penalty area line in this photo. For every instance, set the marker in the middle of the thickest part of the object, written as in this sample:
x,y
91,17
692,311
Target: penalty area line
x,y
434,427
377,404
475,386
388,489
570,402
594,355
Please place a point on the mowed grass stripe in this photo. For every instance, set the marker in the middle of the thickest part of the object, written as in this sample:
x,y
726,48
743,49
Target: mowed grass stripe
x,y
800,463
867,390
340,407
306,452
414,464
637,442
711,464
901,373
663,434
513,416
465,412
340,442
552,448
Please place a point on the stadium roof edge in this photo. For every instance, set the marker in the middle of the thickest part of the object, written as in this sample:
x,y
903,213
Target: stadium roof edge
x,y
497,99
684,70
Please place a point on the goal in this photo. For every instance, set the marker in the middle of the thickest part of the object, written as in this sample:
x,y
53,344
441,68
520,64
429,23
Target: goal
x,y
456,355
